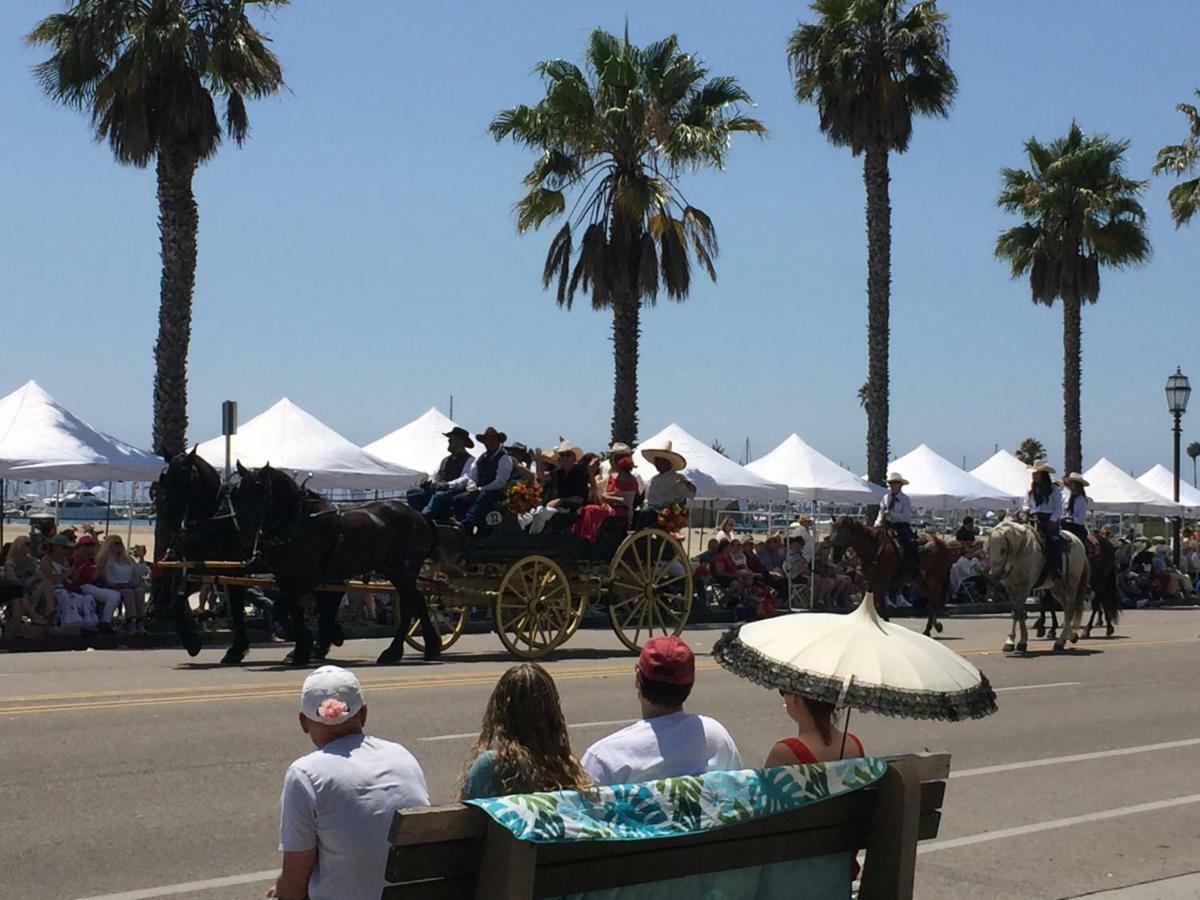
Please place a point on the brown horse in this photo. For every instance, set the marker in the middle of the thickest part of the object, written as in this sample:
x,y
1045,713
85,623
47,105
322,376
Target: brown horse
x,y
882,563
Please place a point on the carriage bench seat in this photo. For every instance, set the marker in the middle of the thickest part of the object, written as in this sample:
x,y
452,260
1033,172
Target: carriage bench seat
x,y
460,851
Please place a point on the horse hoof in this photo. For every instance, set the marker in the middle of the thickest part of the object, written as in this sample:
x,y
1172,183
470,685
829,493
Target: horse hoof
x,y
321,650
1039,630
937,626
234,655
1059,648
1008,647
1108,632
299,658
432,654
1075,639
1022,648
390,656
191,644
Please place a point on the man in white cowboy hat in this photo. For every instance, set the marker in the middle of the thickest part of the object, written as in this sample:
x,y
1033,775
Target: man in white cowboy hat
x,y
1044,505
669,485
1075,508
895,513
338,801
567,488
472,495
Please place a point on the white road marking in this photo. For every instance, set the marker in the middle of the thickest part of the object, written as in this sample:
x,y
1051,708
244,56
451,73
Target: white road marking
x,y
471,734
1076,757
187,887
1034,687
1036,827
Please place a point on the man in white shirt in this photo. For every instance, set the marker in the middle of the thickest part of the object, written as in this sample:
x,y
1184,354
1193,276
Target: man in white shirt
x,y
666,741
480,487
668,486
337,802
895,512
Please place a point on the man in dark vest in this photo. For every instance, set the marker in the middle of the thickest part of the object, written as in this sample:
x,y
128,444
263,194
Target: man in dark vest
x,y
473,494
458,442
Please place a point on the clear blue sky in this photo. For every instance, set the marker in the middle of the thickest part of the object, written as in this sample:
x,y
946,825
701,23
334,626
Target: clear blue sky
x,y
359,253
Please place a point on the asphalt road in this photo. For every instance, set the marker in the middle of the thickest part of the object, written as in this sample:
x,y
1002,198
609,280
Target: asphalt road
x,y
139,774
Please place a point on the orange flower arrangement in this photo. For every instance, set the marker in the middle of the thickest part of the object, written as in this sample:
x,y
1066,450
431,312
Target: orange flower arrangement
x,y
673,517
522,496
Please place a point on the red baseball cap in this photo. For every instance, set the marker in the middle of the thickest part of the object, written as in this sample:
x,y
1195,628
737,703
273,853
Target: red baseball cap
x,y
667,660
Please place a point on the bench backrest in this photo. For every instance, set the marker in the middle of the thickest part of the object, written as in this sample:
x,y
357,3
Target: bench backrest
x,y
457,852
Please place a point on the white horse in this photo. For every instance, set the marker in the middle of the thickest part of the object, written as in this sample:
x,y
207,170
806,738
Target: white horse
x,y
1018,560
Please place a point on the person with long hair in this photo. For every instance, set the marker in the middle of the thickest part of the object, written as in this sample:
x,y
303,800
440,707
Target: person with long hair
x,y
117,570
1075,507
1045,507
20,588
818,738
523,744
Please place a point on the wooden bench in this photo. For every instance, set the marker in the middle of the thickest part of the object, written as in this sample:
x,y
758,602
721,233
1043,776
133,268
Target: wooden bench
x,y
457,851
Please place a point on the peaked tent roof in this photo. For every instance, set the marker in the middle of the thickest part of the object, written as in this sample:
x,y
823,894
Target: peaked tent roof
x,y
289,438
41,439
1004,471
1114,490
716,477
811,476
419,445
1160,480
936,482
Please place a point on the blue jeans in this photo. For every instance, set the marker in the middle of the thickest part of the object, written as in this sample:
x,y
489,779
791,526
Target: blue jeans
x,y
441,503
472,509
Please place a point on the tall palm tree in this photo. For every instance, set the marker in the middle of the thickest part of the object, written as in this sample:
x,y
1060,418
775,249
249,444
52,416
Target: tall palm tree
x,y
1193,450
1080,213
149,73
617,134
1182,159
1030,451
870,66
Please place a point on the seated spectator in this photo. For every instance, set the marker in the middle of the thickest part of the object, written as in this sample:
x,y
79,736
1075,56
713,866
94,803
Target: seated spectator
x,y
24,599
764,575
61,604
818,740
84,580
772,554
117,570
338,801
666,741
966,569
725,531
523,745
967,533
41,532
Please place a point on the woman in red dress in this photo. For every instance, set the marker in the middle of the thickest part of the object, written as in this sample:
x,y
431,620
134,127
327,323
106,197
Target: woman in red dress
x,y
614,500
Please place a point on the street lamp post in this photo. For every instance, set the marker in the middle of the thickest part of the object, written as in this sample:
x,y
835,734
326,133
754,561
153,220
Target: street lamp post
x,y
1178,391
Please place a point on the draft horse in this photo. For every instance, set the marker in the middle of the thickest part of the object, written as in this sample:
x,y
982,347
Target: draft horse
x,y
193,522
882,563
1018,562
305,541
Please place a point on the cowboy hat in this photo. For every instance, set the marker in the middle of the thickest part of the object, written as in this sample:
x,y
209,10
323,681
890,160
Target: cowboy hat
x,y
1077,478
1040,465
491,432
518,451
619,448
896,478
565,446
460,432
651,454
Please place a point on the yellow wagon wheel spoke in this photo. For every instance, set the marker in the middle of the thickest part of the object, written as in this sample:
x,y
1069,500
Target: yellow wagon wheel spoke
x,y
650,586
532,609
451,620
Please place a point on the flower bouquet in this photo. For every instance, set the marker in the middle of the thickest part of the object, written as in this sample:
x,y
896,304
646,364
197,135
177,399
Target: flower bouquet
x,y
522,496
673,517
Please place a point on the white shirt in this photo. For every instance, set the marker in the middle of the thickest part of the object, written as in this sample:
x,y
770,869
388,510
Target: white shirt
x,y
1051,506
1075,508
340,800
675,744
470,475
964,567
667,487
894,508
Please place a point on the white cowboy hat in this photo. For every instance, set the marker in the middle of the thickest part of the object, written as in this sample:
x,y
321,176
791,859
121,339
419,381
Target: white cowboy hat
x,y
1077,478
665,452
1040,465
896,478
619,448
565,446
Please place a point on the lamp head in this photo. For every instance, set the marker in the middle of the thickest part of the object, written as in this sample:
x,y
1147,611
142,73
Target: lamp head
x,y
1178,391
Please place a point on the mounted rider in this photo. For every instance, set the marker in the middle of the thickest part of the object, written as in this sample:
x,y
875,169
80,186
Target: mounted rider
x,y
1075,508
895,514
1044,505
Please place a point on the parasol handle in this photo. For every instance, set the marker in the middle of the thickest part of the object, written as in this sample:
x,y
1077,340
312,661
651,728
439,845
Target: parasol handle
x,y
841,700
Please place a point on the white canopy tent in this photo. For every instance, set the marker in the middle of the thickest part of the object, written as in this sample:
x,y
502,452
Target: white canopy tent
x,y
1113,490
811,476
40,440
289,438
1160,480
936,483
419,445
716,477
1006,472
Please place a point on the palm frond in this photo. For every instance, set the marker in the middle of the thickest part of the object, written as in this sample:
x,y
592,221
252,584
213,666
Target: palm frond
x,y
538,205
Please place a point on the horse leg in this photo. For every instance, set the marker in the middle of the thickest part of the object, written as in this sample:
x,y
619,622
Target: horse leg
x,y
1010,644
329,632
237,619
175,587
296,628
1054,622
1039,627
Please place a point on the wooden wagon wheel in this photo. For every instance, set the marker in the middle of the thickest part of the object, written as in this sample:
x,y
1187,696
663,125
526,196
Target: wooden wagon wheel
x,y
651,587
451,620
532,609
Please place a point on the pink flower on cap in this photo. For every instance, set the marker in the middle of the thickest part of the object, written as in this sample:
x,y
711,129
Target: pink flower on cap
x,y
332,709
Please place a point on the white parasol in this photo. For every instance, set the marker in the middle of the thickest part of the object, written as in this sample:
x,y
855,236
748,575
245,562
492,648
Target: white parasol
x,y
858,661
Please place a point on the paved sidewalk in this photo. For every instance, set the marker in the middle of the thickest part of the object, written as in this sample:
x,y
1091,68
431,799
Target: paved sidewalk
x,y
1185,887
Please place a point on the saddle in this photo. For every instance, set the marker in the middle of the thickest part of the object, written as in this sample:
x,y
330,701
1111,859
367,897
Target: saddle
x,y
1045,576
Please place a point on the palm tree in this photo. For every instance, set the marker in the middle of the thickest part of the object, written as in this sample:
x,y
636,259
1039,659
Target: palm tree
x,y
149,74
1030,451
1080,213
618,134
1193,450
870,66
1182,159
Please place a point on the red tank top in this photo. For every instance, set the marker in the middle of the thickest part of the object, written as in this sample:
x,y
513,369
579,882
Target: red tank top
x,y
804,755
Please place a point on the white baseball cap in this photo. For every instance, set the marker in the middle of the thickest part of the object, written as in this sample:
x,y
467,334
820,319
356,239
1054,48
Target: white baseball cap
x,y
331,695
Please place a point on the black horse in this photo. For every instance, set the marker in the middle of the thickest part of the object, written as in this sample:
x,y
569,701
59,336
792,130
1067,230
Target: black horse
x,y
305,541
1106,596
191,524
